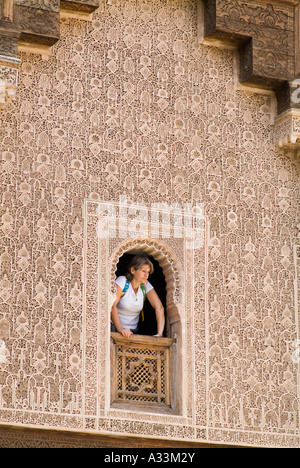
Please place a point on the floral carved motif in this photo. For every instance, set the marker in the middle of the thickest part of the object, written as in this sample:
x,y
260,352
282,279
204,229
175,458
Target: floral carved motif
x,y
131,104
35,26
267,36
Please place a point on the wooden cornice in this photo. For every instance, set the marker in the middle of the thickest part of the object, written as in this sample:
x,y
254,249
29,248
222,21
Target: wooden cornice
x,y
264,33
82,6
36,21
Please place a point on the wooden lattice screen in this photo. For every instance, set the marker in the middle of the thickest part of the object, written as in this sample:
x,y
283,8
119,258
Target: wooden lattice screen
x,y
141,368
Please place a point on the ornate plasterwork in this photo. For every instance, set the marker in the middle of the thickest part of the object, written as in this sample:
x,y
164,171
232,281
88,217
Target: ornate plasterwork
x,y
265,32
287,129
32,26
153,115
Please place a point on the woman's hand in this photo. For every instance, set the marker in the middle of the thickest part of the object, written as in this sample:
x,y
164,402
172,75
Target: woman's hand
x,y
126,332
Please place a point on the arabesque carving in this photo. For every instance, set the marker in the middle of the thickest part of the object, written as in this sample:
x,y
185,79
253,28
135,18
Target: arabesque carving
x,y
131,104
266,34
33,26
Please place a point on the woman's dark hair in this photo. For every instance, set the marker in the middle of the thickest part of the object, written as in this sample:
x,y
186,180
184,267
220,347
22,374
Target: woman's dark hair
x,y
137,262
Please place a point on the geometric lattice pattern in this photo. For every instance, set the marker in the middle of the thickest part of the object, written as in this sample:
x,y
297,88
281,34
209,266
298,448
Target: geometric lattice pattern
x,y
141,370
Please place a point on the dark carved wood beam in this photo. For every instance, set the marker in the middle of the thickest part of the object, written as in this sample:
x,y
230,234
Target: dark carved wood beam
x,y
84,6
32,25
266,34
38,21
37,25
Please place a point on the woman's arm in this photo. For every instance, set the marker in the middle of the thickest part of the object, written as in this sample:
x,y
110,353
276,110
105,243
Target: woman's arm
x,y
159,311
115,316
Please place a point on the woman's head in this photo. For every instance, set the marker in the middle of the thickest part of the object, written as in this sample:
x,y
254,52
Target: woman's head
x,y
139,262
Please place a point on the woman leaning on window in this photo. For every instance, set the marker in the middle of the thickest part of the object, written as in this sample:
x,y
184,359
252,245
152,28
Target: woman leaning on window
x,y
131,292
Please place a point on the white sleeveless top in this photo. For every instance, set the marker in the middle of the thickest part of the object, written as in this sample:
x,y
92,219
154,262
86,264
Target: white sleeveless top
x,y
131,304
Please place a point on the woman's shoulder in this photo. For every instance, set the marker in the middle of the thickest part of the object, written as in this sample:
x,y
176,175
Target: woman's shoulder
x,y
148,286
121,281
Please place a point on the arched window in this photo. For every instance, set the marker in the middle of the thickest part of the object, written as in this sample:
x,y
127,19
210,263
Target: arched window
x,y
146,371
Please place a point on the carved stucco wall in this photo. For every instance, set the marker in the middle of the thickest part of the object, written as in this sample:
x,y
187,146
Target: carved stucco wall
x,y
131,104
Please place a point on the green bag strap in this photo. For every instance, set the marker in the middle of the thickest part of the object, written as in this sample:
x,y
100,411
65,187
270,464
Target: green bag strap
x,y
144,290
144,294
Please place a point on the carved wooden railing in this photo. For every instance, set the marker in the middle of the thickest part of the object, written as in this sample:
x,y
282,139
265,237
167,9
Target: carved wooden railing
x,y
141,369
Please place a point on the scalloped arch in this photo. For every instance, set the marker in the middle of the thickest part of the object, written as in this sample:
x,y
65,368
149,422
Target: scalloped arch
x,y
167,259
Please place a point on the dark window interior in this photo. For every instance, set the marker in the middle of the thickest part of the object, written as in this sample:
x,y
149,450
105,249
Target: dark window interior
x,y
157,279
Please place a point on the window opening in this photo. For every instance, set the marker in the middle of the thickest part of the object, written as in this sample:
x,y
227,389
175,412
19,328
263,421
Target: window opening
x,y
157,279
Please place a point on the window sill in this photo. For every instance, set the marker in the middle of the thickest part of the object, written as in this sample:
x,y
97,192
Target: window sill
x,y
143,339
